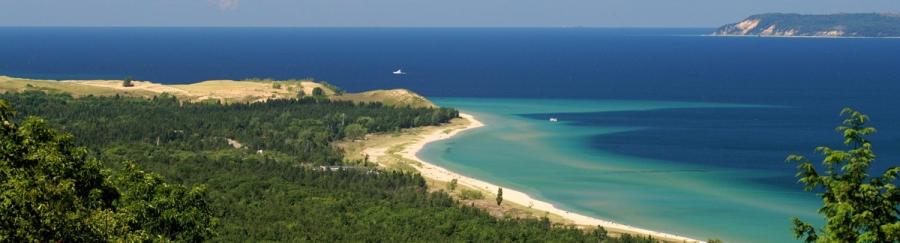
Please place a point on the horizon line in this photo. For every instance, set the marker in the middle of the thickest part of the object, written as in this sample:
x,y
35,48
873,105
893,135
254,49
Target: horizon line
x,y
359,27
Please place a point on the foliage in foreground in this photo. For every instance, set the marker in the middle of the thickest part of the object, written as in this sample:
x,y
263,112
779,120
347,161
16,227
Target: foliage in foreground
x,y
51,190
858,207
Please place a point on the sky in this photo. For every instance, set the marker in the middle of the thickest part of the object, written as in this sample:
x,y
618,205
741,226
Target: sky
x,y
414,13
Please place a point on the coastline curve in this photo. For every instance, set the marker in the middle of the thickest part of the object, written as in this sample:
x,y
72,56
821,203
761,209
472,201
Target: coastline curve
x,y
438,173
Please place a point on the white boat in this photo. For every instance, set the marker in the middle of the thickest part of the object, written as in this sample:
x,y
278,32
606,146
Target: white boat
x,y
553,119
399,72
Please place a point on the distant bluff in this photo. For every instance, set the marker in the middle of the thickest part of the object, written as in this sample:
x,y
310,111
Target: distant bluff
x,y
829,25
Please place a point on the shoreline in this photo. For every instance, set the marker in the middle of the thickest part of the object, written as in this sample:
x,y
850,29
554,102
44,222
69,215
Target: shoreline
x,y
438,173
805,36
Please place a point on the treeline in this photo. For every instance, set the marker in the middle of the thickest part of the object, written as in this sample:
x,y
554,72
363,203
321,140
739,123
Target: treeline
x,y
279,195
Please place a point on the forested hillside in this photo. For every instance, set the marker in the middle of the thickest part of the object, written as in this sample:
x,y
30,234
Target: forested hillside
x,y
259,163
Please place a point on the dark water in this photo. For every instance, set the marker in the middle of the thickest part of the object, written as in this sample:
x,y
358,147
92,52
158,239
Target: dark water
x,y
806,81
545,63
652,64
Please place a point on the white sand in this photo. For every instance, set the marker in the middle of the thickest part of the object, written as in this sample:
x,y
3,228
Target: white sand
x,y
510,195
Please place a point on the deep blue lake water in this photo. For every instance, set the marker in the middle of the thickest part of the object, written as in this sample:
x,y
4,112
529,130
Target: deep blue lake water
x,y
794,87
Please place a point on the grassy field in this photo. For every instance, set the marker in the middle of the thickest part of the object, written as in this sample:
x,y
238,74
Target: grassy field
x,y
226,91
10,84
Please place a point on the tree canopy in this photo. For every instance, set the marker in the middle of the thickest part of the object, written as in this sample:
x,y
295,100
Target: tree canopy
x,y
127,82
52,190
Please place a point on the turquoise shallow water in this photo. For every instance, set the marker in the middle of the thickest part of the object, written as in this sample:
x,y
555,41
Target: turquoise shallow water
x,y
554,162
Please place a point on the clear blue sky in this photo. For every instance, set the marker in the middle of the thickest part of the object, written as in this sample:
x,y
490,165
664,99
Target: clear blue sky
x,y
413,13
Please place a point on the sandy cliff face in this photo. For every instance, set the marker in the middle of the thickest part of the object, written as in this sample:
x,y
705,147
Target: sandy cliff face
x,y
831,33
747,25
835,25
758,27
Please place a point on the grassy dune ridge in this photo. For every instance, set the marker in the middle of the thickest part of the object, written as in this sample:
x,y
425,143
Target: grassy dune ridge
x,y
226,91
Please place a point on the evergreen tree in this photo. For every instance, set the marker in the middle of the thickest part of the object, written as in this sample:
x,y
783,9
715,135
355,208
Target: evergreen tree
x,y
857,207
600,233
127,82
452,185
499,196
318,92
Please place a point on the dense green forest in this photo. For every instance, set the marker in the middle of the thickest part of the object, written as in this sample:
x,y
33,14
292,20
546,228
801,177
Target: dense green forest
x,y
270,189
298,129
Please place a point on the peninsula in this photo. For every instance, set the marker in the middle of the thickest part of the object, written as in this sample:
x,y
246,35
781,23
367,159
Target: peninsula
x,y
800,25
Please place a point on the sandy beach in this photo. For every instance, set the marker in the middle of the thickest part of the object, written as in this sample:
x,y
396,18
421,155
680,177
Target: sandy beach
x,y
438,173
